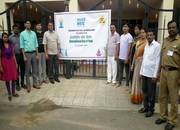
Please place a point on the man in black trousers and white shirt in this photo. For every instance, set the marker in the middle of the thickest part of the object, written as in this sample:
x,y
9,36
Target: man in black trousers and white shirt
x,y
149,72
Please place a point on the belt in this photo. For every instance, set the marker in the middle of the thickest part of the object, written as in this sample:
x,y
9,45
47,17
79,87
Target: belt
x,y
30,51
170,68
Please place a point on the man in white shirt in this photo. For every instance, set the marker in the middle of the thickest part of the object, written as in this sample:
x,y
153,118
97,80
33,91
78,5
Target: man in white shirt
x,y
51,48
149,72
124,49
112,50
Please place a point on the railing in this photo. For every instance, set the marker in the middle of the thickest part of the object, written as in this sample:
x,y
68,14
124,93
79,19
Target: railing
x,y
87,68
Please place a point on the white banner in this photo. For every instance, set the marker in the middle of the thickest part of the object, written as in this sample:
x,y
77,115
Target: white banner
x,y
83,35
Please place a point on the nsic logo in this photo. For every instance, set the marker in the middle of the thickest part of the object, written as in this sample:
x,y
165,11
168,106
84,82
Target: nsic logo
x,y
81,22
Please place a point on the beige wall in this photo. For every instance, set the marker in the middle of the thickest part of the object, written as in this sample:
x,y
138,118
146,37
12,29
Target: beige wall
x,y
164,18
73,6
3,18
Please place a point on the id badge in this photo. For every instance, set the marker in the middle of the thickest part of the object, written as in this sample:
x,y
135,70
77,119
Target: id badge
x,y
170,53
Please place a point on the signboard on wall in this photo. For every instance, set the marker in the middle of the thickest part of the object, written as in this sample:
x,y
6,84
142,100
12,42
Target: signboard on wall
x,y
83,35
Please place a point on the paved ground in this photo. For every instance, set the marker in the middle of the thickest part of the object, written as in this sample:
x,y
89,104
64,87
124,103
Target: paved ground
x,y
91,93
75,104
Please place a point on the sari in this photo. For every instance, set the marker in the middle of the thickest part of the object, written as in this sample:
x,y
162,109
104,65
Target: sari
x,y
136,91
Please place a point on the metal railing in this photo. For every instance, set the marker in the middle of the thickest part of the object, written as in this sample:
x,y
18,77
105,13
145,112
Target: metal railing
x,y
85,68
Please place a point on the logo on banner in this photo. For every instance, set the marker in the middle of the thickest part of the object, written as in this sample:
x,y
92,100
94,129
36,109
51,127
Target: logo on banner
x,y
102,20
98,53
61,24
81,22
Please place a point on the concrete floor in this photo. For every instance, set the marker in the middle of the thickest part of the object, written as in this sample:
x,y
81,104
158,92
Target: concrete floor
x,y
75,104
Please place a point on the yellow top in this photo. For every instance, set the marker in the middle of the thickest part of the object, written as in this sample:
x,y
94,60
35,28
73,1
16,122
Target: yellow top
x,y
140,45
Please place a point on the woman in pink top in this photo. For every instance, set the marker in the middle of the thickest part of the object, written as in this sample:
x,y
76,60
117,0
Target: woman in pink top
x,y
8,71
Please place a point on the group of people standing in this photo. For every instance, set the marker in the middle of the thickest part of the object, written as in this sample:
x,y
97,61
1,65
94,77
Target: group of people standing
x,y
145,62
30,53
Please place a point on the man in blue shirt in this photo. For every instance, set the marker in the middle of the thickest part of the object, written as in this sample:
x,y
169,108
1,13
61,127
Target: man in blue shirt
x,y
14,40
29,46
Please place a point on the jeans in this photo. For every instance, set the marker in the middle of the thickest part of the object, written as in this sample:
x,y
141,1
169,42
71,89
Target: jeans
x,y
121,70
31,64
42,68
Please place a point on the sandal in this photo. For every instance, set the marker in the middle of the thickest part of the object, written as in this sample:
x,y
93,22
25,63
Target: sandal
x,y
15,95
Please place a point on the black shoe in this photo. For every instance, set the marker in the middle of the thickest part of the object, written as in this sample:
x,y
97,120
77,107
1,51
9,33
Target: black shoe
x,y
118,85
15,95
23,86
142,110
51,81
160,121
149,114
169,126
18,88
28,89
9,98
57,80
36,87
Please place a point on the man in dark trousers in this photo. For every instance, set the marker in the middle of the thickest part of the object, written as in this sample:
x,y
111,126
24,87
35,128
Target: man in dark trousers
x,y
42,77
149,73
169,77
14,39
126,40
51,48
